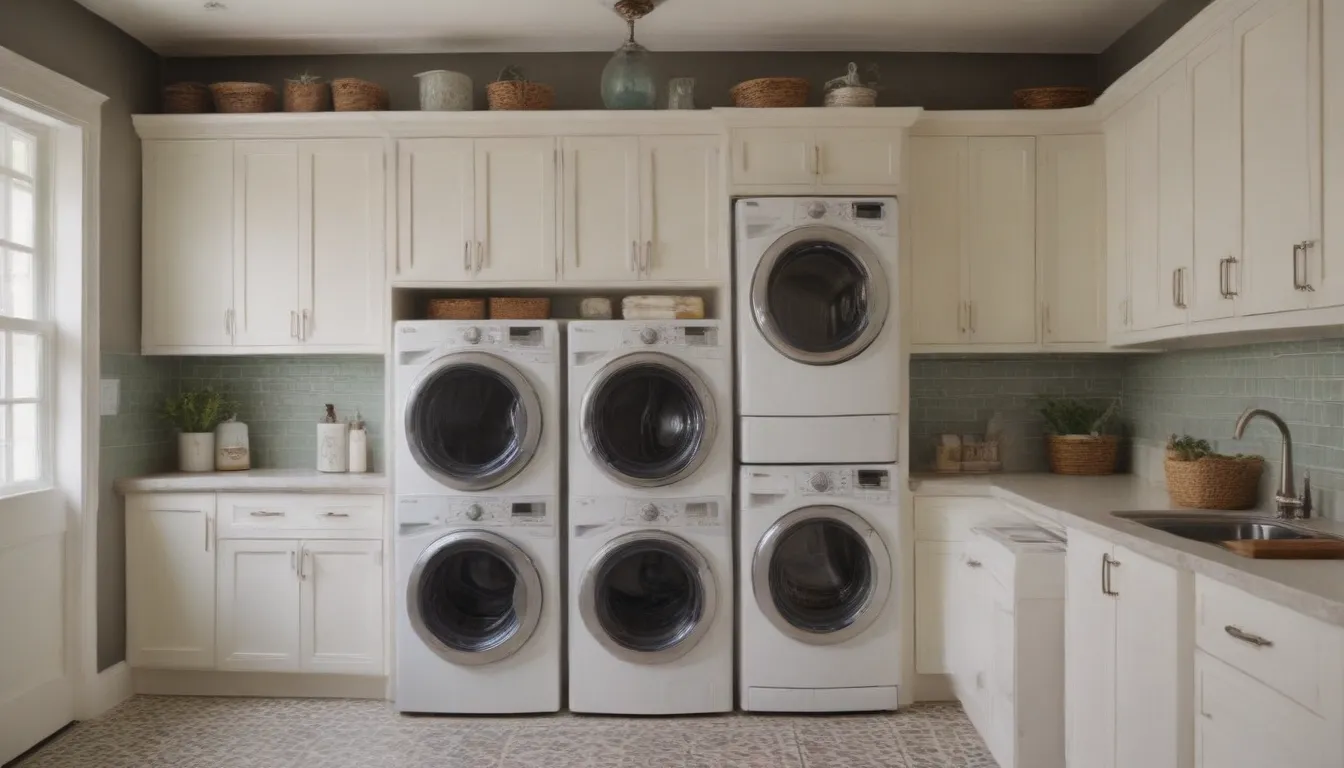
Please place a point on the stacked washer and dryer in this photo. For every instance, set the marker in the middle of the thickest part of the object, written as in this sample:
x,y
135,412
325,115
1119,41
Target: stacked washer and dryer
x,y
819,394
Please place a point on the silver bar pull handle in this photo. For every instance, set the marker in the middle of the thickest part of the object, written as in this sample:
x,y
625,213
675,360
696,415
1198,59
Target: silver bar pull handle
x,y
1303,247
303,325
816,159
648,256
1231,262
266,513
480,255
303,562
207,534
1107,563
1180,288
1247,637
466,255
1297,276
973,563
335,514
634,257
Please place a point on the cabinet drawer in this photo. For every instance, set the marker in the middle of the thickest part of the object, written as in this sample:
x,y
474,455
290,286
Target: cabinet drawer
x,y
951,518
1291,653
293,515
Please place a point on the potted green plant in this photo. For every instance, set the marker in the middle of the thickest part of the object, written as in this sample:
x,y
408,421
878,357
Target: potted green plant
x,y
1200,478
1080,438
196,413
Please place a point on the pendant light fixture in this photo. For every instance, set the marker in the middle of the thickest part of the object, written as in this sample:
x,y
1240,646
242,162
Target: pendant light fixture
x,y
628,80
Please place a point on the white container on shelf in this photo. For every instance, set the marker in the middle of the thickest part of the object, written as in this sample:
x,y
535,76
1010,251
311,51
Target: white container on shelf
x,y
444,91
359,450
333,449
196,451
232,448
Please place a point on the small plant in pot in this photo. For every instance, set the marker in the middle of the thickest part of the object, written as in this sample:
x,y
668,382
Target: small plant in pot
x,y
196,413
1080,438
1200,478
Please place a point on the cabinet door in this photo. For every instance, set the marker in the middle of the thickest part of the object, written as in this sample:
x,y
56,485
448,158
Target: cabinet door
x,y
774,156
266,243
1071,237
858,156
436,214
937,206
1141,214
1332,219
341,285
1001,240
1278,83
1217,181
601,209
682,207
170,581
515,209
1175,197
188,244
1089,656
259,605
1117,257
938,566
1241,722
342,607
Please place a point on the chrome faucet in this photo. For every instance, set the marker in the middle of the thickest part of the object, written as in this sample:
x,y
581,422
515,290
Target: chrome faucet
x,y
1286,501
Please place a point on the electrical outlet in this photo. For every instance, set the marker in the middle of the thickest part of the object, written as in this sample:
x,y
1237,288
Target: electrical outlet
x,y
109,395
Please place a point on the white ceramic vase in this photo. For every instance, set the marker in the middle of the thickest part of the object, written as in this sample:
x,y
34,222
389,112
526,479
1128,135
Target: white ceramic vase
x,y
333,447
196,451
232,448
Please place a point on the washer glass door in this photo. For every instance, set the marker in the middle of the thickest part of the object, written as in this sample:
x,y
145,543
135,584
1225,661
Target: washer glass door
x,y
474,597
648,597
821,574
473,421
819,295
648,419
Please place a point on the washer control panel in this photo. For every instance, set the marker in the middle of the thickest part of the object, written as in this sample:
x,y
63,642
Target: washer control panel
x,y
680,513
655,335
873,214
539,514
855,483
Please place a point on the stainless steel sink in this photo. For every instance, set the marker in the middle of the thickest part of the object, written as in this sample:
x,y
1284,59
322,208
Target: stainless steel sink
x,y
1214,527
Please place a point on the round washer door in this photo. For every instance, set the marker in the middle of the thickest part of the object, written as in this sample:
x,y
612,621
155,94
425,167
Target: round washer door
x,y
819,295
648,419
648,597
472,421
821,574
474,597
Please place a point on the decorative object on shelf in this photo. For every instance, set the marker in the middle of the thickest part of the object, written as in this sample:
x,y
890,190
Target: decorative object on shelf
x,y
444,91
187,99
850,90
516,308
243,98
333,443
1054,97
628,81
359,445
307,93
350,94
232,448
595,308
514,91
1200,478
1079,442
971,453
456,309
947,454
681,93
771,92
196,413
663,308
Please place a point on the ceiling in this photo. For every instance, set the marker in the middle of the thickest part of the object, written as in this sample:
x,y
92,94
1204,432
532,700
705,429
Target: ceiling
x,y
253,27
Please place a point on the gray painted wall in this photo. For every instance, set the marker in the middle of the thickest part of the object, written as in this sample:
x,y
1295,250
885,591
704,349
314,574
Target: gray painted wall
x,y
930,80
1144,38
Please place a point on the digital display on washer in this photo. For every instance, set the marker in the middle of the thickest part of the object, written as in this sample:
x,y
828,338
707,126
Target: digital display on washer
x,y
869,211
525,336
529,511
872,478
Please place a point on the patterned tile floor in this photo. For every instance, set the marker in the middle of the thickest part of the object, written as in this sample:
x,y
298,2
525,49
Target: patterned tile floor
x,y
190,732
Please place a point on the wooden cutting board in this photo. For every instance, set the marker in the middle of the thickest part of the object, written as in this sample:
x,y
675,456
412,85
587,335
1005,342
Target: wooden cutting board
x,y
1289,549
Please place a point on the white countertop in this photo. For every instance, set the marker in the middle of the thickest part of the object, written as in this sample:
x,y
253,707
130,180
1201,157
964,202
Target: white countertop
x,y
1312,587
299,480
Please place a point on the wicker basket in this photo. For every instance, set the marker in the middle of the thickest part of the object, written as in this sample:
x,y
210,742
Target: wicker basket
x,y
771,92
350,94
187,99
1083,454
1059,97
1214,482
510,308
519,94
307,97
851,96
243,97
456,309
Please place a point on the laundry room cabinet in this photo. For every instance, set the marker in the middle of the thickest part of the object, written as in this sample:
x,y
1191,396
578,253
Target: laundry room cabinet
x,y
823,160
170,581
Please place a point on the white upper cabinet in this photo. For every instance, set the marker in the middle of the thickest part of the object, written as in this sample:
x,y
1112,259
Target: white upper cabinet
x,y
436,215
170,581
1216,269
1001,240
1071,237
601,199
1118,289
266,243
341,607
682,206
858,157
936,207
188,244
515,210
774,156
1142,214
1332,67
1175,197
825,159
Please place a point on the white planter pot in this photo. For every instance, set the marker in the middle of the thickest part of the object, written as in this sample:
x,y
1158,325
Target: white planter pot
x,y
444,91
196,451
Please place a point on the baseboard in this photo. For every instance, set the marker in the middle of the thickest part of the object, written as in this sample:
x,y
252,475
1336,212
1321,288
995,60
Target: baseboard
x,y
169,682
106,690
933,688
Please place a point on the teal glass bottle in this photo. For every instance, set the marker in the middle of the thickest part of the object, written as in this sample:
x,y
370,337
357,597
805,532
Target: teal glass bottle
x,y
628,80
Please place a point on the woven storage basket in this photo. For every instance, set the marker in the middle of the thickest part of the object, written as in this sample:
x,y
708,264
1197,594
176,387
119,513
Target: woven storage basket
x,y
187,99
1059,97
508,308
456,309
243,97
1083,454
851,96
350,94
771,92
504,95
307,97
1214,482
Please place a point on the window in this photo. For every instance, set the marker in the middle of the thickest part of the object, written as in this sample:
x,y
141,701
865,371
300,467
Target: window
x,y
27,333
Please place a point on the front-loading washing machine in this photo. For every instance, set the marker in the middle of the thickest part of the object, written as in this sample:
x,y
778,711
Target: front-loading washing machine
x,y
820,621
818,351
650,408
650,624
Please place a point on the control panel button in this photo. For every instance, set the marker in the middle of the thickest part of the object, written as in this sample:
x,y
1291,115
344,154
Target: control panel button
x,y
820,482
472,335
648,336
649,513
474,512
816,210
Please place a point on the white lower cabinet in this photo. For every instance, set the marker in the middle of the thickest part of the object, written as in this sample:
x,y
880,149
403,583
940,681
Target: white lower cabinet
x,y
170,581
258,606
341,607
